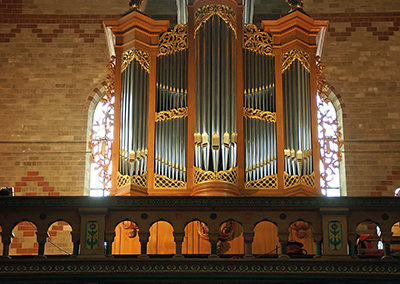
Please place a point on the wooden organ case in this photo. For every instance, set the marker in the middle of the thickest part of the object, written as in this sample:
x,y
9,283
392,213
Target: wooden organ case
x,y
216,107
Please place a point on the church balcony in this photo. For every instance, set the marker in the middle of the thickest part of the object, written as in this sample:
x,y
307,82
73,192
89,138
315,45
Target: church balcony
x,y
178,238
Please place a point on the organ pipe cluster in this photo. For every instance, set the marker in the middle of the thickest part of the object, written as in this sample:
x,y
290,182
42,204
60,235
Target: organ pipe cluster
x,y
260,134
170,146
133,126
215,128
297,111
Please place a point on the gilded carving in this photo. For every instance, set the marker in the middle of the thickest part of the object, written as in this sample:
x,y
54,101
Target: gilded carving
x,y
135,54
293,180
137,180
173,41
166,182
267,182
259,114
207,11
257,40
171,114
290,56
229,176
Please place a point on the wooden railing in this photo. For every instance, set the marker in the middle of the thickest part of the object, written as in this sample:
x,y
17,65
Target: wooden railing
x,y
93,220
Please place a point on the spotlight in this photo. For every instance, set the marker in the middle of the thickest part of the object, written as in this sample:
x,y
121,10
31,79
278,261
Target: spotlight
x,y
7,191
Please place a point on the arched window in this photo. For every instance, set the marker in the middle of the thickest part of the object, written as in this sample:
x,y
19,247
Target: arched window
x,y
331,144
101,138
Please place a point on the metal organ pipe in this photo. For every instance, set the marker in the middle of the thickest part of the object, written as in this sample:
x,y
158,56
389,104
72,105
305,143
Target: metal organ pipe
x,y
215,96
297,109
260,134
170,132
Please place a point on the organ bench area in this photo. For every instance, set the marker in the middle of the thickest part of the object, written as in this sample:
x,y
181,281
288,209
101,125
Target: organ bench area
x,y
216,106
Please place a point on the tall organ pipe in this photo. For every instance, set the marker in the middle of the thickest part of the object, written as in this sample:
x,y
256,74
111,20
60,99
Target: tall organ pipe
x,y
260,135
215,96
171,133
297,109
133,128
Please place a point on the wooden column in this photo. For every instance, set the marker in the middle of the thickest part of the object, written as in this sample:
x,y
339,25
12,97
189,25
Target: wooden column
x,y
239,97
280,123
191,100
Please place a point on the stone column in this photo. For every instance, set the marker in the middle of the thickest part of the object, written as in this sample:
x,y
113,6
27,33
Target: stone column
x,y
248,243
178,238
213,237
6,237
75,240
109,239
41,238
143,239
283,239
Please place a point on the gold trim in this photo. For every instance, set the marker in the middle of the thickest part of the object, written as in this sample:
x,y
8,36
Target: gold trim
x,y
202,176
259,114
267,182
257,40
290,56
173,41
166,182
172,114
137,180
139,55
207,11
293,180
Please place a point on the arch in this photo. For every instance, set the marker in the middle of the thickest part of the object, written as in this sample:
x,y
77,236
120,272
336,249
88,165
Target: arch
x,y
99,137
161,239
330,136
395,245
59,239
231,239
266,241
301,231
196,239
369,242
24,241
126,240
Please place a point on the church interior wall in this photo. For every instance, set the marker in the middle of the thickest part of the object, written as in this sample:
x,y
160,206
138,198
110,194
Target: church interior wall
x,y
53,56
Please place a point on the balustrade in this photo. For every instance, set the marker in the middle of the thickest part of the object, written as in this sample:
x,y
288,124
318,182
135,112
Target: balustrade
x,y
201,226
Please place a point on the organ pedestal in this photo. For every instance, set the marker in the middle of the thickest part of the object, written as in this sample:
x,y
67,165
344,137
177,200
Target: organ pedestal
x,y
216,106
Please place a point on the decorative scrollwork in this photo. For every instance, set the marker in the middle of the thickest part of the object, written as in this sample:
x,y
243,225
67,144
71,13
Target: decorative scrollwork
x,y
267,182
295,4
229,176
173,41
257,40
166,182
137,180
135,54
259,114
294,54
293,180
101,137
322,85
207,11
171,114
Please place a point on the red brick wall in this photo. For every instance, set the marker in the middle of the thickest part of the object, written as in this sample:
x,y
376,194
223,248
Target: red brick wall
x,y
53,55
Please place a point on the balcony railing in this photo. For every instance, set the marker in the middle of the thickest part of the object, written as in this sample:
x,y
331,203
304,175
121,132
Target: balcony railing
x,y
333,221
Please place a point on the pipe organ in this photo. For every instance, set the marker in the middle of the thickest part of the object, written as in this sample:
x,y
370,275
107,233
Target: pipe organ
x,y
216,106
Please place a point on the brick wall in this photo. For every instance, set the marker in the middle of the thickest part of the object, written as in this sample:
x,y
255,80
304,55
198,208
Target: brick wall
x,y
53,55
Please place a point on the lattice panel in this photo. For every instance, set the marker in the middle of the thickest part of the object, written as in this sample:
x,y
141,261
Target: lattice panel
x,y
267,182
166,182
293,180
138,180
229,176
